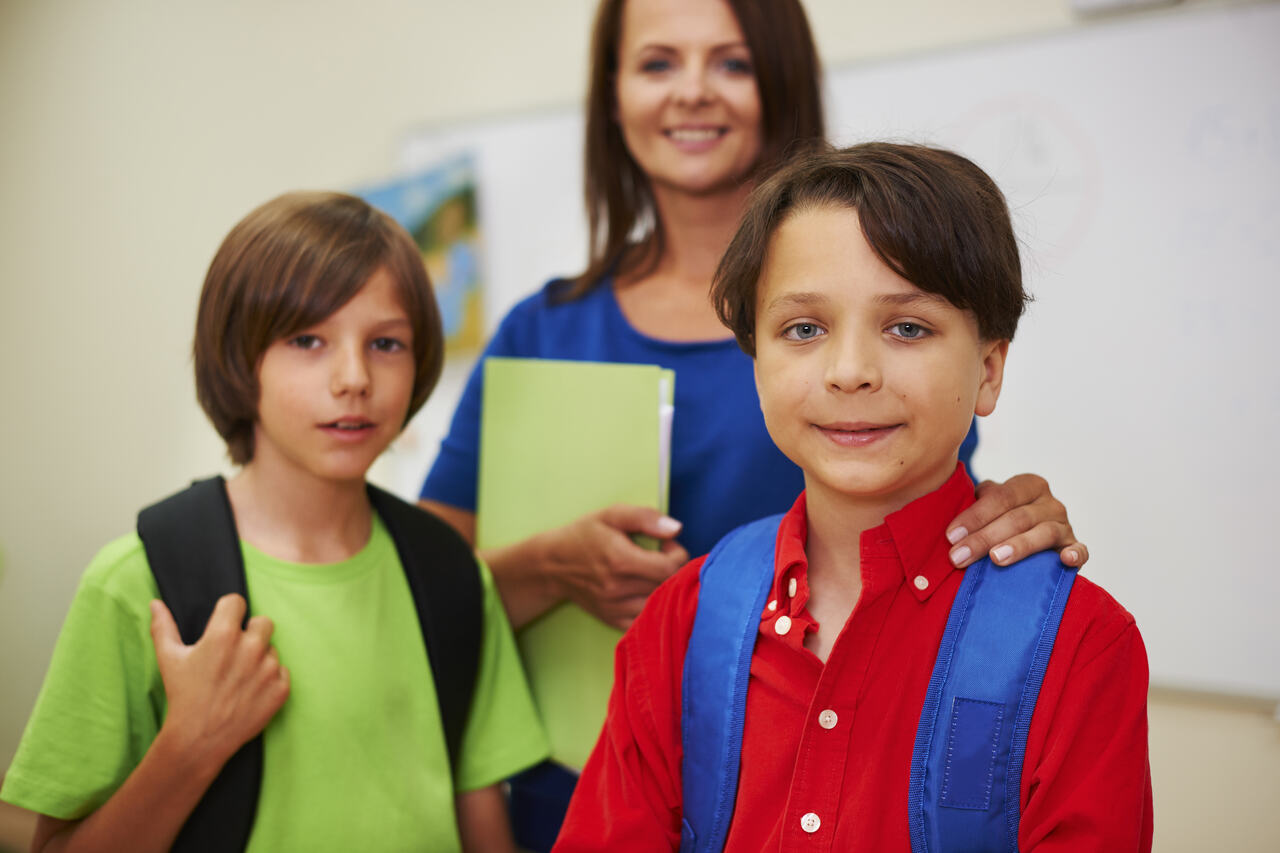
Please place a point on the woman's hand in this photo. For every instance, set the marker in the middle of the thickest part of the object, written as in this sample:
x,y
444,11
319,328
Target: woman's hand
x,y
593,562
596,563
1012,520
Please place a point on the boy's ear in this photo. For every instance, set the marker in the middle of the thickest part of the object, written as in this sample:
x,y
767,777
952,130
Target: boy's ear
x,y
993,355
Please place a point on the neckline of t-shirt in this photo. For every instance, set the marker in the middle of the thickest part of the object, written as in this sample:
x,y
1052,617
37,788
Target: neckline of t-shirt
x,y
620,320
320,573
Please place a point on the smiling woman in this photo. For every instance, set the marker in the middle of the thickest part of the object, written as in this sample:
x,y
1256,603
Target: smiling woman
x,y
687,101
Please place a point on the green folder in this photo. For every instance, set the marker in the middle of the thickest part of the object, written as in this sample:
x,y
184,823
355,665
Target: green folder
x,y
558,440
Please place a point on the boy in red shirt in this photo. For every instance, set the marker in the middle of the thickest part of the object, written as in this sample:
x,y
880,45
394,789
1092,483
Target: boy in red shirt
x,y
877,289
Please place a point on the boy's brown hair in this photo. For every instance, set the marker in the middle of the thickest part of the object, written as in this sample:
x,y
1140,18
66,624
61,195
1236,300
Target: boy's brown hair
x,y
285,267
618,196
931,215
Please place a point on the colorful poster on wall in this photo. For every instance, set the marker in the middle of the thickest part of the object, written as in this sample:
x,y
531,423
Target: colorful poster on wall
x,y
437,206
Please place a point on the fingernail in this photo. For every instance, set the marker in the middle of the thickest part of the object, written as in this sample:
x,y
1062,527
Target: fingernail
x,y
955,534
960,555
1004,552
1069,557
668,526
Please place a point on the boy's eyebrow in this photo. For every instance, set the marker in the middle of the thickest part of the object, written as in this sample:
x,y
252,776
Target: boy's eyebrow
x,y
799,299
911,298
393,321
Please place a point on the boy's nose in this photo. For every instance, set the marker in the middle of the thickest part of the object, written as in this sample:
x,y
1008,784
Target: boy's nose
x,y
350,374
853,363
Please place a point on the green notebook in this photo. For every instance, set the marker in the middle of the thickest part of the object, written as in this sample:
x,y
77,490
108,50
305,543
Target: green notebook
x,y
558,440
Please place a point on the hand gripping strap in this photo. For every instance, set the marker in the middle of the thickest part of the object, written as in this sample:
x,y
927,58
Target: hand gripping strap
x,y
732,586
194,553
966,770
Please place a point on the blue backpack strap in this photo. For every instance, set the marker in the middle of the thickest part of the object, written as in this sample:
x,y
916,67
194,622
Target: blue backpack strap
x,y
966,770
732,586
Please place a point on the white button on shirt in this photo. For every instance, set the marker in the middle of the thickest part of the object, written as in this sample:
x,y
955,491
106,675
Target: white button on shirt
x,y
783,625
810,822
773,605
828,719
791,588
921,582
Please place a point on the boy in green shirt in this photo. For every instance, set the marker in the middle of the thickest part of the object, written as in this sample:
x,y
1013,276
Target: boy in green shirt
x,y
317,339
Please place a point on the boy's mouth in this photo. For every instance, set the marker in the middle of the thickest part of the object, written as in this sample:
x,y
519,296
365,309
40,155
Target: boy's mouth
x,y
349,424
856,434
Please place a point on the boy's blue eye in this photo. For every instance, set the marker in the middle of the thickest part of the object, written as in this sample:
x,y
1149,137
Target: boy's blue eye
x,y
909,331
304,341
802,331
388,345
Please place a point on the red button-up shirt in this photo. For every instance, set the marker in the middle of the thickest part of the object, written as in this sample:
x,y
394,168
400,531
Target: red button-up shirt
x,y
827,748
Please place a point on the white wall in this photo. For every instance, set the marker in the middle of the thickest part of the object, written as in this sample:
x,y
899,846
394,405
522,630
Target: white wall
x,y
134,133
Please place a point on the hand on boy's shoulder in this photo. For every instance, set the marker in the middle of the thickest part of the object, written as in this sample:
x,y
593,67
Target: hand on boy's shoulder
x,y
223,689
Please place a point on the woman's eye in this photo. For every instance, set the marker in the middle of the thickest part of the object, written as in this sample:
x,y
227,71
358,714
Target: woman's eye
x,y
909,331
655,66
802,331
737,65
304,341
388,345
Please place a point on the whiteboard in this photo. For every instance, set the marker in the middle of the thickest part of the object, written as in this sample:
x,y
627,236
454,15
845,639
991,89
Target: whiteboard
x,y
1141,158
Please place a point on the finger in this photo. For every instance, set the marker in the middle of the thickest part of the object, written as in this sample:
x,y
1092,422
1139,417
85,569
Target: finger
x,y
1076,554
996,537
640,519
1039,538
675,551
627,559
626,612
269,667
228,611
996,499
260,627
1017,544
283,686
269,700
164,630
624,588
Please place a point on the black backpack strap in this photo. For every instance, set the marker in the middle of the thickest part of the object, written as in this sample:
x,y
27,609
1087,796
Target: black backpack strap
x,y
444,580
193,550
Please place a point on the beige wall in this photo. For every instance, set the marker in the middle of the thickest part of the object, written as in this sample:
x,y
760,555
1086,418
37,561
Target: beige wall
x,y
133,133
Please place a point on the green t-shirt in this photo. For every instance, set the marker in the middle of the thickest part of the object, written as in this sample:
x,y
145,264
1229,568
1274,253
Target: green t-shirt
x,y
355,759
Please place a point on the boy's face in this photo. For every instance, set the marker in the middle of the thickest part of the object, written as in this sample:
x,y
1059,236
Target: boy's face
x,y
332,397
866,382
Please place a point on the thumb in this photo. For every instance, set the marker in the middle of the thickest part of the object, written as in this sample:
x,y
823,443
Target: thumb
x,y
164,631
640,519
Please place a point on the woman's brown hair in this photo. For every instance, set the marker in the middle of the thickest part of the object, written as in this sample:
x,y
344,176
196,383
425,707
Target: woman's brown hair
x,y
934,218
284,268
618,196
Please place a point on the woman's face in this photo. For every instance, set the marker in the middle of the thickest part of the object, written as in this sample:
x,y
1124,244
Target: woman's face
x,y
688,105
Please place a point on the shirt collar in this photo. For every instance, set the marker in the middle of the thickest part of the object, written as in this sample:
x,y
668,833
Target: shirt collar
x,y
915,535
